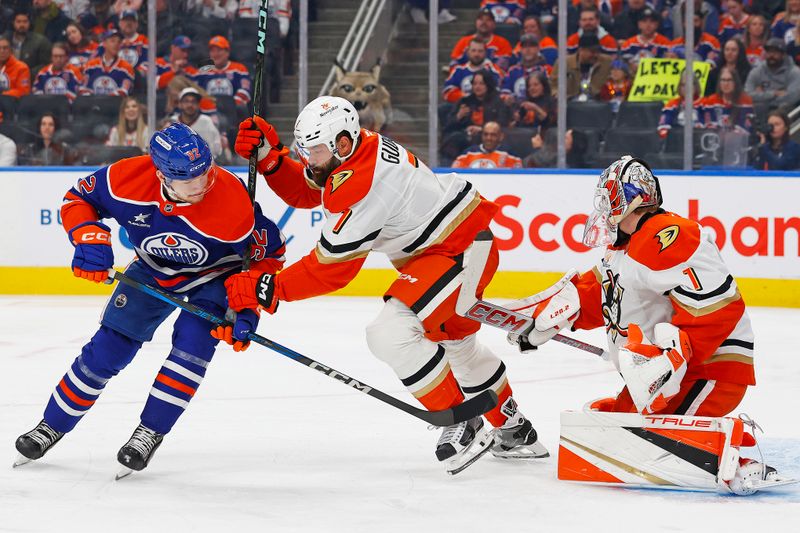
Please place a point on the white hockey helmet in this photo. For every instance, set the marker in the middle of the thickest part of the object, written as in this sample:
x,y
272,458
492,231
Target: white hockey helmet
x,y
318,125
627,184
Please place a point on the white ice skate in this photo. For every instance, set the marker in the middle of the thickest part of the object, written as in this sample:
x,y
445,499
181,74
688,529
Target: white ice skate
x,y
462,444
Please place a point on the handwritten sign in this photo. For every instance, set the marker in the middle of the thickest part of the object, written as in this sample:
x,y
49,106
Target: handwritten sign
x,y
657,79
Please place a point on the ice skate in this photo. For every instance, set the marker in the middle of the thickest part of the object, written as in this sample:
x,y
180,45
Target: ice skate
x,y
137,452
462,444
35,443
516,439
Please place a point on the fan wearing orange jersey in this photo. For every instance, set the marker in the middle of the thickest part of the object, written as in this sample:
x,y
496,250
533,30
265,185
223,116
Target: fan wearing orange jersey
x,y
378,196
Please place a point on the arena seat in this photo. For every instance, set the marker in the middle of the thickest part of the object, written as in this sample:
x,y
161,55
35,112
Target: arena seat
x,y
633,141
639,115
596,115
33,106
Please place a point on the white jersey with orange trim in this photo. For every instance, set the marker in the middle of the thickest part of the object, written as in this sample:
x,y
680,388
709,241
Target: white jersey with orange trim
x,y
384,199
672,271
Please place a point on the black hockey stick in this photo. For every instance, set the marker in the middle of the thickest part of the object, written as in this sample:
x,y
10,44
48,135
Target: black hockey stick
x,y
471,408
468,304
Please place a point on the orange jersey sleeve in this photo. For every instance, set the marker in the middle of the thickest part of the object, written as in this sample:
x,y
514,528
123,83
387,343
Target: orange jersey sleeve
x,y
315,275
590,293
287,178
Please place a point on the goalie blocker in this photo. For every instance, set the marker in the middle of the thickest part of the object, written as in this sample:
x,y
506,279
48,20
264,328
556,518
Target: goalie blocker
x,y
661,452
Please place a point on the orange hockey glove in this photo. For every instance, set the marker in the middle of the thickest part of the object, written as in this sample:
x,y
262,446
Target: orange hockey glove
x,y
251,290
236,334
257,134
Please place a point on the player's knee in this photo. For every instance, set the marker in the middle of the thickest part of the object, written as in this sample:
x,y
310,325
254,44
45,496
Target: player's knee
x,y
395,330
108,352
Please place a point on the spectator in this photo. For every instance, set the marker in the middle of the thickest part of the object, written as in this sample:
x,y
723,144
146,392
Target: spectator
x,y
108,74
131,128
779,151
672,113
626,24
59,77
733,56
729,108
706,46
587,71
280,10
79,47
604,10
419,11
49,20
189,105
538,108
545,150
616,89
459,83
224,77
498,49
73,8
8,150
786,20
777,80
514,83
463,125
648,42
547,46
177,64
755,37
505,11
98,19
45,150
734,22
490,153
217,9
589,21
15,76
576,143
119,6
547,11
31,48
134,48
208,104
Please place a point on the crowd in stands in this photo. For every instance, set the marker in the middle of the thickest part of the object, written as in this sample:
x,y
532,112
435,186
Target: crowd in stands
x,y
73,74
504,75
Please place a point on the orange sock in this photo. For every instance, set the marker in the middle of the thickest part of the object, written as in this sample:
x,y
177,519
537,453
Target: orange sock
x,y
496,417
445,395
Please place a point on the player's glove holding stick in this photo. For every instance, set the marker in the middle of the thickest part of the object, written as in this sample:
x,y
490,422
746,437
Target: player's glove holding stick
x,y
93,253
257,134
236,334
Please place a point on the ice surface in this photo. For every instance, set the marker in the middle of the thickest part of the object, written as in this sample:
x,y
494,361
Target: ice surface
x,y
270,445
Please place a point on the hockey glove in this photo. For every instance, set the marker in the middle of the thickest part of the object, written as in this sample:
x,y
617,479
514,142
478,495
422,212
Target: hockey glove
x,y
653,371
236,335
554,310
257,134
93,253
252,290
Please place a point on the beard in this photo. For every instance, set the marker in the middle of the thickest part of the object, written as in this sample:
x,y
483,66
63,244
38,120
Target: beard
x,y
320,174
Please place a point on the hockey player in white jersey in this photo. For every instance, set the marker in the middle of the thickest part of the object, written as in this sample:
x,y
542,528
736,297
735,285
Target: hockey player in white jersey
x,y
677,327
378,196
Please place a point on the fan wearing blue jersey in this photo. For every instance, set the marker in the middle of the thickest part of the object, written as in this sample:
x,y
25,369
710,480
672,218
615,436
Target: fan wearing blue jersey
x,y
190,223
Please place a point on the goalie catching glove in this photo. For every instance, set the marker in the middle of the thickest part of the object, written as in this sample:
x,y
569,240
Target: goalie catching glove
x,y
653,371
554,310
252,290
256,134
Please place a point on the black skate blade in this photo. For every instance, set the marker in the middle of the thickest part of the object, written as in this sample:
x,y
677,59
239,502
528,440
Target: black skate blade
x,y
21,460
123,473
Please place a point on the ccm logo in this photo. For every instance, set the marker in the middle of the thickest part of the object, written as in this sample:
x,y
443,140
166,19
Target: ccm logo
x,y
407,277
341,377
678,422
502,319
92,236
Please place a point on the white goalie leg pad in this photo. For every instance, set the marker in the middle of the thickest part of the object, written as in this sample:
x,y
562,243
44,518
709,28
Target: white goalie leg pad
x,y
649,451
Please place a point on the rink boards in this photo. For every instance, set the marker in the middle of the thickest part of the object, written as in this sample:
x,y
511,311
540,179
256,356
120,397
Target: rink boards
x,y
539,228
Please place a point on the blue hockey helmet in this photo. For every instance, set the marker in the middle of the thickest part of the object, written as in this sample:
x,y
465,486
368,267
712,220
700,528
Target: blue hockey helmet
x,y
179,152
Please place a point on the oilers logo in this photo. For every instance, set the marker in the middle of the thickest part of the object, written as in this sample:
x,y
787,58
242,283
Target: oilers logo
x,y
483,163
105,85
131,55
4,85
466,85
219,85
176,248
55,85
520,89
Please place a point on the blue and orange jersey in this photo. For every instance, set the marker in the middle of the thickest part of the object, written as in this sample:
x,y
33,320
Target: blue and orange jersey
x,y
609,7
81,56
498,50
672,115
180,244
479,157
165,72
635,48
706,49
719,114
15,78
729,28
134,50
517,76
608,45
113,79
755,54
505,11
231,80
66,81
459,83
547,49
781,24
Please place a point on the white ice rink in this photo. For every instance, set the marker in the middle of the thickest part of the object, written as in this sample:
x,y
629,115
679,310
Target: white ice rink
x,y
269,445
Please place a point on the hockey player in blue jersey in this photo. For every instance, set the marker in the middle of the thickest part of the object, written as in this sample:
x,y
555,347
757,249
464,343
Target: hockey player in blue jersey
x,y
190,223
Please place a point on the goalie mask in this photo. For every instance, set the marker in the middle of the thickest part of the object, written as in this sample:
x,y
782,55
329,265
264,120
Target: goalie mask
x,y
318,126
624,186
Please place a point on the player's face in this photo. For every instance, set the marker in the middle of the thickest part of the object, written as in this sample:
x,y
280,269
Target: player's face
x,y
192,191
320,161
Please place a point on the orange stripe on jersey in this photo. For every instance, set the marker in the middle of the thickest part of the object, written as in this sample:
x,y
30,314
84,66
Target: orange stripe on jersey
x,y
72,396
177,385
665,241
573,467
76,211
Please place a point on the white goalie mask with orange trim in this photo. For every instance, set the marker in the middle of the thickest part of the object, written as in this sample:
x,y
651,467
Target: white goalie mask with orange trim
x,y
624,186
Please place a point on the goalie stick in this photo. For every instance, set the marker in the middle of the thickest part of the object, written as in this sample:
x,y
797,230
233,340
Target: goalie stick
x,y
467,410
468,305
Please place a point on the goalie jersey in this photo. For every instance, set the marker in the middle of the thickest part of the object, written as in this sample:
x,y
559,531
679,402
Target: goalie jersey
x,y
180,244
672,271
381,198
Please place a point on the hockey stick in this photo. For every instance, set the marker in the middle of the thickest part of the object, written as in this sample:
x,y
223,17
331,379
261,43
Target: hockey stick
x,y
471,408
468,305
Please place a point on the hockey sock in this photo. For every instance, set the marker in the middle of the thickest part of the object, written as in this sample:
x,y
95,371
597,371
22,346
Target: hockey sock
x,y
498,416
434,384
73,396
173,388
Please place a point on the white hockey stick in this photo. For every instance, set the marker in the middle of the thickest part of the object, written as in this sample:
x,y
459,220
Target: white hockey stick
x,y
468,305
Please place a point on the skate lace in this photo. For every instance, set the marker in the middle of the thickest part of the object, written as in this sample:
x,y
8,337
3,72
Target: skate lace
x,y
143,440
753,425
44,435
453,433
